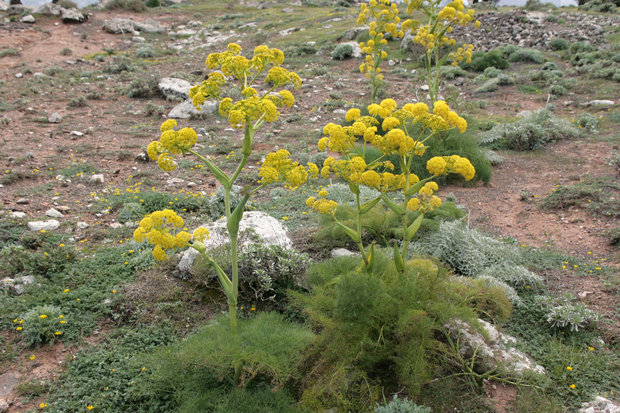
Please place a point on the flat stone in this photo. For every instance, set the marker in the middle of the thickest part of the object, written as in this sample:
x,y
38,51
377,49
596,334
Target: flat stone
x,y
82,225
116,225
22,201
186,110
77,133
174,181
599,405
29,18
8,382
601,102
48,225
53,213
342,252
18,214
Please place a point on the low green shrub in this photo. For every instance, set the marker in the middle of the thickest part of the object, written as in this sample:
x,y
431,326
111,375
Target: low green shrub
x,y
599,6
482,60
381,332
527,56
130,5
342,52
588,121
557,44
530,132
197,374
145,50
119,65
563,312
451,72
40,325
403,405
489,86
142,88
491,72
598,195
130,212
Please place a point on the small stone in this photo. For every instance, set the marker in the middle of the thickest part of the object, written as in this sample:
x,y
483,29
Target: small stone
x,y
601,102
82,225
19,75
173,87
22,201
391,62
97,179
48,225
53,213
116,225
72,15
77,133
18,214
54,118
424,88
4,406
174,181
28,19
342,252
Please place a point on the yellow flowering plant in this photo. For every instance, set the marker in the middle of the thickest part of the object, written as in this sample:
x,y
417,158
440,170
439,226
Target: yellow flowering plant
x,y
433,34
262,81
382,18
405,130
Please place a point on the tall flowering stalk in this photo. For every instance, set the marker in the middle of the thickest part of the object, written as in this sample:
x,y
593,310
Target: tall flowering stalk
x,y
382,18
164,229
383,21
435,34
405,131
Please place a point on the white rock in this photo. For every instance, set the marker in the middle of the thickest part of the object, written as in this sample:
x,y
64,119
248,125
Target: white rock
x,y
53,213
48,9
342,252
48,225
116,225
186,110
72,15
424,88
19,75
264,229
54,117
82,225
498,347
357,50
173,87
4,6
174,181
601,102
18,214
77,133
28,19
97,179
600,405
391,62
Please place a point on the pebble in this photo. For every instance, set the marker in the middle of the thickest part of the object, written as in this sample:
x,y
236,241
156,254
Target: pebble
x,y
97,179
53,213
82,225
18,214
22,201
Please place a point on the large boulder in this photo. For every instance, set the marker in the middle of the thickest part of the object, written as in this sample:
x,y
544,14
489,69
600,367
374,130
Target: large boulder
x,y
119,25
600,405
173,87
49,9
4,6
255,227
72,15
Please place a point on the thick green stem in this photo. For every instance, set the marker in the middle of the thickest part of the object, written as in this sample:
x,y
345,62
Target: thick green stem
x,y
359,229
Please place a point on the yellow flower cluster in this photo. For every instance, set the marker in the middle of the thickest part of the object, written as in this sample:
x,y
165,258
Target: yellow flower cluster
x,y
462,53
440,165
322,204
278,167
425,201
159,229
254,106
384,21
171,143
452,119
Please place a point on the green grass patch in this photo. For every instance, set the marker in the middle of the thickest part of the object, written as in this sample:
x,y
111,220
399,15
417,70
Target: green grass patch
x,y
598,195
